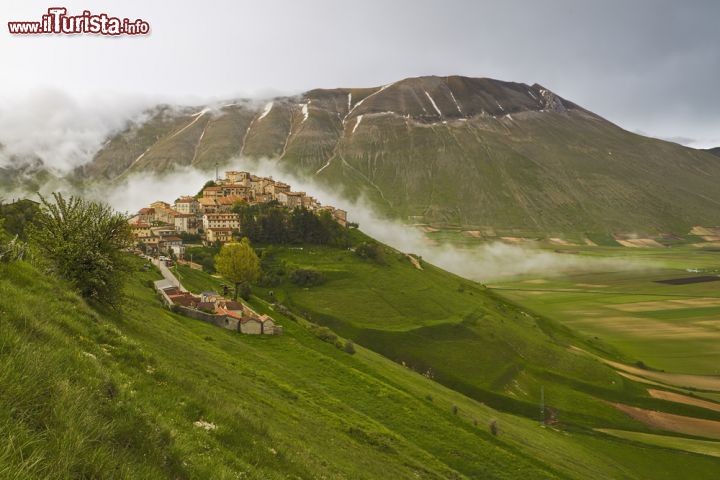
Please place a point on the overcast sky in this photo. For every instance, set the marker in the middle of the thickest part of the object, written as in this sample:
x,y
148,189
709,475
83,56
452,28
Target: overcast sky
x,y
650,66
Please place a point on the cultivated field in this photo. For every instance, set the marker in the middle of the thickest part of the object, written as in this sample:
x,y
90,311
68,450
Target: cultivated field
x,y
662,312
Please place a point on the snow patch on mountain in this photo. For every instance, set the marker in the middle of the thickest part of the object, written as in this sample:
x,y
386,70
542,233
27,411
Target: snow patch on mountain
x,y
197,116
268,107
433,103
357,123
456,102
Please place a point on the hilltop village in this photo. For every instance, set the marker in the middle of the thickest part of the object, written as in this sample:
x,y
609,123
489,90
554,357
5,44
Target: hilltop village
x,y
159,228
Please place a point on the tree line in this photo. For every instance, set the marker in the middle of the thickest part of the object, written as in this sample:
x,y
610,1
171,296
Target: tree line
x,y
271,223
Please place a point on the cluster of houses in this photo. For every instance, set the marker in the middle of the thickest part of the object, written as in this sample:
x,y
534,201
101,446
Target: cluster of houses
x,y
217,310
158,227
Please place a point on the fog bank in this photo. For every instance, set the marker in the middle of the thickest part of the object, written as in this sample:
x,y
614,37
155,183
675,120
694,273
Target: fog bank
x,y
491,261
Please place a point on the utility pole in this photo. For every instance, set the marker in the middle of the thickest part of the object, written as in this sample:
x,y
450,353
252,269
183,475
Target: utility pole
x,y
542,405
217,175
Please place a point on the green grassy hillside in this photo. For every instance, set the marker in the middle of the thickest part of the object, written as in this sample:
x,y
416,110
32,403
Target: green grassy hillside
x,y
460,335
103,394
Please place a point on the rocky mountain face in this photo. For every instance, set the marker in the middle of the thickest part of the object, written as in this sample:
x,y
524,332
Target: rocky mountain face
x,y
456,150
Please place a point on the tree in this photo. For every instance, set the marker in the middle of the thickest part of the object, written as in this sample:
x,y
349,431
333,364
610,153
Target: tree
x,y
83,241
238,263
494,427
209,183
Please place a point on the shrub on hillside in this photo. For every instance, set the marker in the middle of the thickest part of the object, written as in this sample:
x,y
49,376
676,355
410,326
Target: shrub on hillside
x,y
349,347
269,280
244,291
304,277
83,242
371,251
11,249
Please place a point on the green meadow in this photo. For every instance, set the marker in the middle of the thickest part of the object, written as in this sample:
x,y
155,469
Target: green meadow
x,y
674,328
146,393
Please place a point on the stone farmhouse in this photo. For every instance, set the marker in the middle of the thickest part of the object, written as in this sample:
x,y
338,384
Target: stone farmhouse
x,y
213,308
158,227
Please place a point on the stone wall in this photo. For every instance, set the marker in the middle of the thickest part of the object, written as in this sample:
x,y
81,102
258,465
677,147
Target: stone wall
x,y
221,321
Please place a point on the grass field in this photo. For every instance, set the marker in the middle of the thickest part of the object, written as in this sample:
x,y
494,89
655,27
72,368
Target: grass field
x,y
101,394
463,336
674,328
89,394
295,406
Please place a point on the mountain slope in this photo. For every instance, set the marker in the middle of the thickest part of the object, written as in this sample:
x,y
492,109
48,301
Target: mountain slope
x,y
445,149
94,394
101,395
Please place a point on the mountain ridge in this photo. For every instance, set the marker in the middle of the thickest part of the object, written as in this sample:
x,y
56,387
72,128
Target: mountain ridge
x,y
445,150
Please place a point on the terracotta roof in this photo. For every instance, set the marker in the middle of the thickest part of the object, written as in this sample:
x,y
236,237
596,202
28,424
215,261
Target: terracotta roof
x,y
230,199
207,201
212,189
147,210
185,299
231,305
206,306
229,313
185,199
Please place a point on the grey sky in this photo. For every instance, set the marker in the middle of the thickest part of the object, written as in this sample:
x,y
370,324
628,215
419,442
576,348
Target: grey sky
x,y
650,66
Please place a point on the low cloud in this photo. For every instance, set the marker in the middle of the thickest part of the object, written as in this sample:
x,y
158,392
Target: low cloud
x,y
485,262
61,131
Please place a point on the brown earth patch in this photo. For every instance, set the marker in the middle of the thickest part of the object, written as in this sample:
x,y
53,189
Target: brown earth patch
x,y
515,240
679,398
561,242
655,328
666,304
415,262
639,243
703,231
673,423
635,378
682,380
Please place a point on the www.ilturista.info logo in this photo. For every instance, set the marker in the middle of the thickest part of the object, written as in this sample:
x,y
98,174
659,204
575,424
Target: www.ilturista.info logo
x,y
57,21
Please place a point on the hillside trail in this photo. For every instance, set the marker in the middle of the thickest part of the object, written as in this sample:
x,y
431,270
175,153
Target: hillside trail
x,y
167,274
